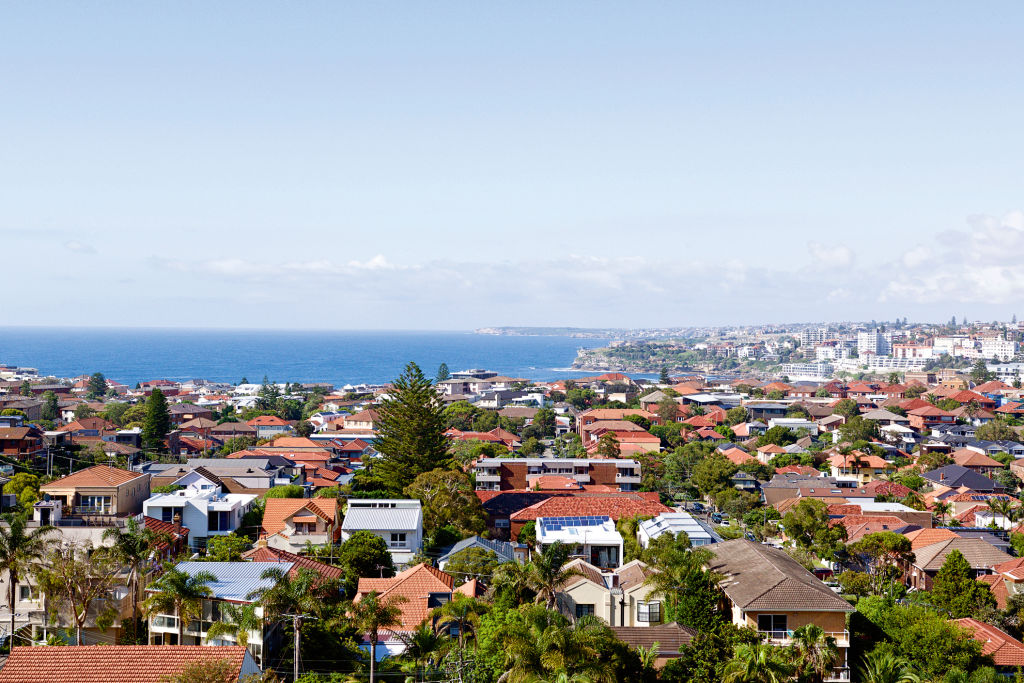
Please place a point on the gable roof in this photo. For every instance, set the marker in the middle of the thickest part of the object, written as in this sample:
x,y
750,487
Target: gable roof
x,y
925,537
956,476
278,510
297,562
1004,649
978,553
113,663
415,585
97,475
760,577
965,457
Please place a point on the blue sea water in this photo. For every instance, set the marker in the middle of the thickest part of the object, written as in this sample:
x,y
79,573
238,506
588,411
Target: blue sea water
x,y
134,355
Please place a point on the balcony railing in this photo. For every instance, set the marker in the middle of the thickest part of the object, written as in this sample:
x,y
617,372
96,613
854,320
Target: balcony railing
x,y
839,675
164,621
784,637
93,510
488,476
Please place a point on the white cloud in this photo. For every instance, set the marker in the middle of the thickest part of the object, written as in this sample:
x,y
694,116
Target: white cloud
x,y
79,247
979,266
839,256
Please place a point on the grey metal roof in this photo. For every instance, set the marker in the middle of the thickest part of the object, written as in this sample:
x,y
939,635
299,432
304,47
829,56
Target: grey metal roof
x,y
382,518
502,549
235,580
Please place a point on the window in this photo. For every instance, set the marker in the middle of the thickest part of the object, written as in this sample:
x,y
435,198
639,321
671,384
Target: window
x,y
648,612
219,520
501,524
305,527
167,514
776,624
584,611
26,593
397,540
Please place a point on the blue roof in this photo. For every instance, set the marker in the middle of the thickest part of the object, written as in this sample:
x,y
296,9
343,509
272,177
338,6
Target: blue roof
x,y
235,580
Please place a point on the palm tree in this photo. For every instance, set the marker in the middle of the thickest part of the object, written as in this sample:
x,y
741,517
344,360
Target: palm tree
x,y
757,663
424,647
941,509
648,655
371,615
885,667
236,621
292,597
461,611
546,574
19,550
135,546
814,652
1003,507
511,578
181,593
548,648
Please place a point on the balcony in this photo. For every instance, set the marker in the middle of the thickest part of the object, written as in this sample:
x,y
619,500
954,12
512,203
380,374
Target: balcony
x,y
839,675
842,638
581,477
625,478
163,621
487,475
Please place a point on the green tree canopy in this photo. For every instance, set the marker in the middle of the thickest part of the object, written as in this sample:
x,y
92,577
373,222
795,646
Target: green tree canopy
x,y
448,499
807,523
956,590
410,437
156,423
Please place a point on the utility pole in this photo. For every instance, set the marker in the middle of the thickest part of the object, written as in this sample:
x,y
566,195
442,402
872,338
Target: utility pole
x,y
296,619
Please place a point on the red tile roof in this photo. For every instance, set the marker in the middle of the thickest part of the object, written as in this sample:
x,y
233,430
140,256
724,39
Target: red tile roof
x,y
267,421
267,554
615,505
280,509
1004,649
113,663
415,585
97,475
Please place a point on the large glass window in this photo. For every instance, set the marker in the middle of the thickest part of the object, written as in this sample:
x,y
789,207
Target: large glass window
x,y
776,624
584,611
219,520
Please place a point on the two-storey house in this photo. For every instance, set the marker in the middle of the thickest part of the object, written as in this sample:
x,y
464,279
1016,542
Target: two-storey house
x,y
396,520
767,590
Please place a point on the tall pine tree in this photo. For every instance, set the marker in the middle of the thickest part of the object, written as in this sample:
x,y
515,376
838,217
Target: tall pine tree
x,y
156,423
442,373
410,436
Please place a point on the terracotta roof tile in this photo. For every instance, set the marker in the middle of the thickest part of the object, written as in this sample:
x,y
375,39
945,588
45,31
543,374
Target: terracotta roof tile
x,y
112,663
279,509
267,554
615,505
97,475
1004,649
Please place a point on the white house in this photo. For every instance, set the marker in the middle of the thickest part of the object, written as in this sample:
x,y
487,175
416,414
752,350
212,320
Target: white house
x,y
593,538
398,521
698,532
202,507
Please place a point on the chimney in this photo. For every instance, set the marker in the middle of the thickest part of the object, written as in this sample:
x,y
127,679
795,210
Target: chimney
x,y
261,542
177,523
942,476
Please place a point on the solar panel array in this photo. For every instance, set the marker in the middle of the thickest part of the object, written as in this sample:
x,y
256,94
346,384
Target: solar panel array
x,y
559,523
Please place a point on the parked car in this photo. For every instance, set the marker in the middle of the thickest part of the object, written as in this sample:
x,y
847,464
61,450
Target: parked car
x,y
716,517
697,507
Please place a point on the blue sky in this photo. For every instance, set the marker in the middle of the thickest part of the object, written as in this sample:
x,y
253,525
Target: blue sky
x,y
452,165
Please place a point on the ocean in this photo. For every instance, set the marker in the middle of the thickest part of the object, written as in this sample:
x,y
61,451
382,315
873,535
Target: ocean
x,y
134,355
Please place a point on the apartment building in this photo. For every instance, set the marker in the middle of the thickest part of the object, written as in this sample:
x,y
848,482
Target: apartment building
x,y
510,474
